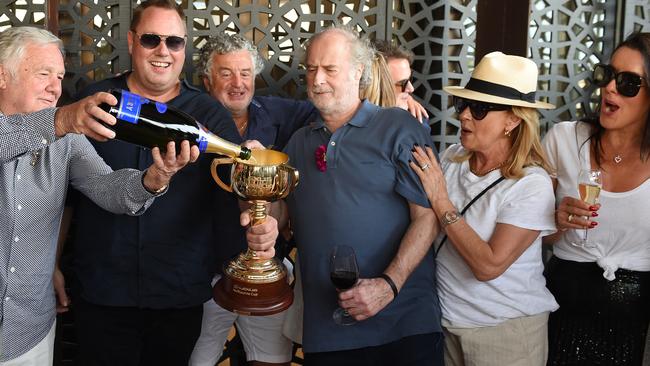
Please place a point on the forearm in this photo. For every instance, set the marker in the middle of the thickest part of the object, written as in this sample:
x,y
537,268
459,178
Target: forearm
x,y
119,192
415,244
476,252
21,134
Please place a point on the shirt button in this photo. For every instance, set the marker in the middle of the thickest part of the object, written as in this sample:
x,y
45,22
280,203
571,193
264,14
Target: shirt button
x,y
44,141
7,298
333,143
12,269
16,239
19,207
18,177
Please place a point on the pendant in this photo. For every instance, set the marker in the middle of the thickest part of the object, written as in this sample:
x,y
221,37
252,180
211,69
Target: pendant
x,y
618,159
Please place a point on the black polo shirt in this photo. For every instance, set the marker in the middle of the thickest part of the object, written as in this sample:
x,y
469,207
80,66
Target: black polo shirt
x,y
166,257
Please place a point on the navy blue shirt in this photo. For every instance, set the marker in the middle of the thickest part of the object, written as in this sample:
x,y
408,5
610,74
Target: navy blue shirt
x,y
361,200
271,121
165,258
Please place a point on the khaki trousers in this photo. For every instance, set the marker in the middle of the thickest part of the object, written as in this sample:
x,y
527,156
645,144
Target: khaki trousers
x,y
515,342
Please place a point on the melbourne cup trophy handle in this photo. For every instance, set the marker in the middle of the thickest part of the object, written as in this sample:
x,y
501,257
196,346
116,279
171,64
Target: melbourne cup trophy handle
x,y
213,169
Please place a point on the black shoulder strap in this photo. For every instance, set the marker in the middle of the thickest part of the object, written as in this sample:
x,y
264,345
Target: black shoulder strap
x,y
462,212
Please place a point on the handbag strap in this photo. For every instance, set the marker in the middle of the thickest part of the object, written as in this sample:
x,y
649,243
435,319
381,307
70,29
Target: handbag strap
x,y
462,212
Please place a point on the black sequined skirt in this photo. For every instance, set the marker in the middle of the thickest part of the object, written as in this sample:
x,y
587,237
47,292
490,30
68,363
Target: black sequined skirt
x,y
599,322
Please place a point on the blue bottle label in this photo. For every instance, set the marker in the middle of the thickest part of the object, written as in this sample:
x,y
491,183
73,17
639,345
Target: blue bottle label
x,y
161,107
130,106
201,140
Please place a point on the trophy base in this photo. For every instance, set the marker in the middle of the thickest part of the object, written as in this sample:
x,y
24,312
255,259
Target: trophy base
x,y
256,299
253,286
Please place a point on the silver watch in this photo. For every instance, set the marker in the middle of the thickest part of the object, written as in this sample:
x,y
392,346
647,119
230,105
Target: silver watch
x,y
449,218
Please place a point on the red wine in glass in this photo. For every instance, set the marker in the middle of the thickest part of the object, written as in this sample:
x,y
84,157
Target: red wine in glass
x,y
344,280
344,273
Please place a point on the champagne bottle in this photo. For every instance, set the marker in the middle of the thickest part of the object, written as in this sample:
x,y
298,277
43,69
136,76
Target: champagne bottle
x,y
148,123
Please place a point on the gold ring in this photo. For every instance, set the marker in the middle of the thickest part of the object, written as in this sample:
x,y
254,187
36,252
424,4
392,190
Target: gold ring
x,y
570,218
424,167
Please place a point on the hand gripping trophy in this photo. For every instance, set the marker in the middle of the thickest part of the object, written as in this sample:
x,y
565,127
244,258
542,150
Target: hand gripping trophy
x,y
251,285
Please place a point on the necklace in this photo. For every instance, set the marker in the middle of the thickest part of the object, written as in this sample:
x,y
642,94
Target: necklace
x,y
617,158
242,129
484,172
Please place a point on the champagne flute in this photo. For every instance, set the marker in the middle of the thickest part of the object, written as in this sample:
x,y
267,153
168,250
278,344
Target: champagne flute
x,y
344,273
589,186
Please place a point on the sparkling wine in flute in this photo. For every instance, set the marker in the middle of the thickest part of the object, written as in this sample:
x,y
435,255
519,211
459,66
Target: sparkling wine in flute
x,y
152,124
589,192
589,186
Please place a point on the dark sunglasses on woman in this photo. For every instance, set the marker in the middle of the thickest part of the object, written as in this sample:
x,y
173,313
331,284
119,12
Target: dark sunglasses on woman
x,y
478,109
627,83
151,41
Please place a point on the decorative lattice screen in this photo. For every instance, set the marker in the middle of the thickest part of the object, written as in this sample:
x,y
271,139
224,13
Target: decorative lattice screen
x,y
566,39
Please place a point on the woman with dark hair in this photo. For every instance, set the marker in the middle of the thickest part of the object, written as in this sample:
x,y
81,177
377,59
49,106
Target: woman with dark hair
x,y
601,283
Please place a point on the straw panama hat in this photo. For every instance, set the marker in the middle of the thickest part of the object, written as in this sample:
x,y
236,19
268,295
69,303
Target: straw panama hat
x,y
502,79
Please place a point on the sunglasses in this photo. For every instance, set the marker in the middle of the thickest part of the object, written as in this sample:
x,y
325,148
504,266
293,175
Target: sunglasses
x,y
627,83
478,109
404,83
151,41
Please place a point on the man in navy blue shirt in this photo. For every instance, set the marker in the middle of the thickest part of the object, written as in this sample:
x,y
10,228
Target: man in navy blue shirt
x,y
228,66
357,189
140,285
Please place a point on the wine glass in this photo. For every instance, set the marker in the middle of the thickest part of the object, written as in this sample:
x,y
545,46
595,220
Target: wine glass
x,y
589,186
344,273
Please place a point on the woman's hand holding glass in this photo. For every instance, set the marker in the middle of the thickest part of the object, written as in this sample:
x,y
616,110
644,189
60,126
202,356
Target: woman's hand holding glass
x,y
574,213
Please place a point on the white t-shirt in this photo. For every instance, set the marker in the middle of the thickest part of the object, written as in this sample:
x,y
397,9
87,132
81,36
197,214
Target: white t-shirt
x,y
521,290
622,237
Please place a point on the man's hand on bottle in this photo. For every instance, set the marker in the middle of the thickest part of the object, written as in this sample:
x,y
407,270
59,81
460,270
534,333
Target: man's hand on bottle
x,y
164,166
83,116
261,237
253,144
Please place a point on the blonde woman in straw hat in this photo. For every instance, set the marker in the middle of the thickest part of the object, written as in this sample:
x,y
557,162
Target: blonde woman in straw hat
x,y
492,291
603,283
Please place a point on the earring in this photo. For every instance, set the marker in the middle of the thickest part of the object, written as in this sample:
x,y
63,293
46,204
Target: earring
x,y
507,132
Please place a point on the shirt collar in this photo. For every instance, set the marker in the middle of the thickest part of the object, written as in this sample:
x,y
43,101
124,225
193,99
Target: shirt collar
x,y
360,119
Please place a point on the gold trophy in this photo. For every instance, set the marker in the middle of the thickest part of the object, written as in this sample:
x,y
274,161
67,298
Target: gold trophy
x,y
251,285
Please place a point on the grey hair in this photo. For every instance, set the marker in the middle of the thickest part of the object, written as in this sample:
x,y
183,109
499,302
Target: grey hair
x,y
14,41
361,51
222,44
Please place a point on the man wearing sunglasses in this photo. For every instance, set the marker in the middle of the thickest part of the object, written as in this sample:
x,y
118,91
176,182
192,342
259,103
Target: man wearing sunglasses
x,y
399,61
42,152
141,285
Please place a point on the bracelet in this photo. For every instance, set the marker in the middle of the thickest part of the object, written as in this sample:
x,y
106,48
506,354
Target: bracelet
x,y
157,191
390,283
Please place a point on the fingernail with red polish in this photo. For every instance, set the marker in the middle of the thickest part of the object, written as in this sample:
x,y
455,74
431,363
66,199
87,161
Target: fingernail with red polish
x,y
593,224
593,208
594,213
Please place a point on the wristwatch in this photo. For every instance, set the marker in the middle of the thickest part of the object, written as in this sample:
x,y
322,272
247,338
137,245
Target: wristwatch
x,y
449,218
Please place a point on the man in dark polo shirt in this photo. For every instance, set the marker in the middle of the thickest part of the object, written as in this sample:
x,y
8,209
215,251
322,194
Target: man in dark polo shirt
x,y
362,194
141,282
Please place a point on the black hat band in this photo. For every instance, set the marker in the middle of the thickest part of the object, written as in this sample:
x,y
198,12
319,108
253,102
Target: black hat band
x,y
498,90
